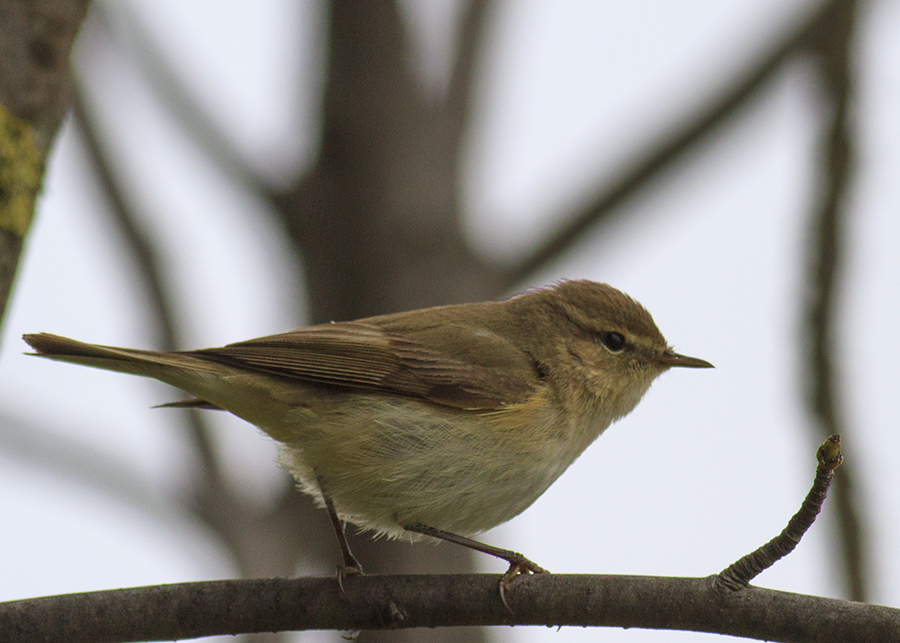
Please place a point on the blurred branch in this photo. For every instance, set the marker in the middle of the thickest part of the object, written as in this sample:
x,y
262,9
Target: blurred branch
x,y
473,32
669,147
240,526
55,453
21,173
169,86
35,43
191,610
830,43
150,266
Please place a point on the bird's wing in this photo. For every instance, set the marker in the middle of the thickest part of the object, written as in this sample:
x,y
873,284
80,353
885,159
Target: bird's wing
x,y
448,365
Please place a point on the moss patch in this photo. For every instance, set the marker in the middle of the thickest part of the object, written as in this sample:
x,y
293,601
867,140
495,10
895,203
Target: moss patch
x,y
21,166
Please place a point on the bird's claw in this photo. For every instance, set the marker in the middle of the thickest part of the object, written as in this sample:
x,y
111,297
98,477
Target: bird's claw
x,y
519,565
347,570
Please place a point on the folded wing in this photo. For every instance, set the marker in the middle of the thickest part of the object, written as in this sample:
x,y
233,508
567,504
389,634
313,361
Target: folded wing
x,y
465,368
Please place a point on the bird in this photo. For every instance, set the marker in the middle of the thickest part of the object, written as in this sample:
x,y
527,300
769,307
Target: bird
x,y
442,422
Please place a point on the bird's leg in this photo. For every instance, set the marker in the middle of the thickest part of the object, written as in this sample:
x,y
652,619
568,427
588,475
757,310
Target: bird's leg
x,y
518,564
351,566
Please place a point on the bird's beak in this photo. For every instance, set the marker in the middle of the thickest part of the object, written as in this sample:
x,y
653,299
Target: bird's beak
x,y
671,358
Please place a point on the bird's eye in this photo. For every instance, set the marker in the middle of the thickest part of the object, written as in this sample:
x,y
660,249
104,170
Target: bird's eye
x,y
613,341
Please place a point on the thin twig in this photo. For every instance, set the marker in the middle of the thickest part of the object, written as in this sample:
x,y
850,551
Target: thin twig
x,y
738,575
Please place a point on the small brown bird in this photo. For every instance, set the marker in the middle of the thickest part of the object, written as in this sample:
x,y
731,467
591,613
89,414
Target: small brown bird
x,y
445,421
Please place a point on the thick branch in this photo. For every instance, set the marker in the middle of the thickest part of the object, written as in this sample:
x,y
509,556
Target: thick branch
x,y
190,610
35,41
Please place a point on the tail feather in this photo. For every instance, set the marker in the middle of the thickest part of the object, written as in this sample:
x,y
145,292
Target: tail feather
x,y
216,386
193,403
163,366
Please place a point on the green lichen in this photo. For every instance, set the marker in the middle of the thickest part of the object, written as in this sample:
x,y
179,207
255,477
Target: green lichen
x,y
21,166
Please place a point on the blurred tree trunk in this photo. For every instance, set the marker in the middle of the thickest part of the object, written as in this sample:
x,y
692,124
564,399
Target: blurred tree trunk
x,y
378,220
35,42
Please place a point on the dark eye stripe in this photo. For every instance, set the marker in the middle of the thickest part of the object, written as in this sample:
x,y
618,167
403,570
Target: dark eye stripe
x,y
613,341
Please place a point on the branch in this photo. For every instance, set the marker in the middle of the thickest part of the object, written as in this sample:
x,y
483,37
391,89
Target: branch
x,y
831,45
473,31
239,524
55,453
668,148
190,610
21,173
739,575
150,271
35,42
722,604
170,88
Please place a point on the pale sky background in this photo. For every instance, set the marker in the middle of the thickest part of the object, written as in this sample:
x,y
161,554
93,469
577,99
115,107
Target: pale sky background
x,y
711,465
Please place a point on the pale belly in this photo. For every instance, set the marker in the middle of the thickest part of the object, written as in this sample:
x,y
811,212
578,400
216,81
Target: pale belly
x,y
393,462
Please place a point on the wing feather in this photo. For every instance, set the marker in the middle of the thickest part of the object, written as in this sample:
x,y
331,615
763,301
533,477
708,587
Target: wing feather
x,y
451,366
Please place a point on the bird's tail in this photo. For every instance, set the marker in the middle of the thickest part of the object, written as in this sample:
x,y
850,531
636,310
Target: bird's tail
x,y
171,368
